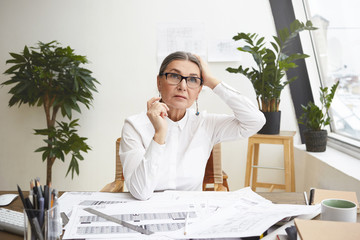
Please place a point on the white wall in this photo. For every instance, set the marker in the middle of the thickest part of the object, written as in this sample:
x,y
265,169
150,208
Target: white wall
x,y
331,170
119,38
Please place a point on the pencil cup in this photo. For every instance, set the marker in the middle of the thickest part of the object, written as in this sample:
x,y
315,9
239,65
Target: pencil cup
x,y
42,225
338,210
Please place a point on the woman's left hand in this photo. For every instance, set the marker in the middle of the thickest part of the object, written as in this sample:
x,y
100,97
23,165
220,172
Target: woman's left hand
x,y
209,80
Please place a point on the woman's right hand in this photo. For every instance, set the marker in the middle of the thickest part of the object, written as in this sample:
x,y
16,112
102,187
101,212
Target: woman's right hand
x,y
157,113
209,80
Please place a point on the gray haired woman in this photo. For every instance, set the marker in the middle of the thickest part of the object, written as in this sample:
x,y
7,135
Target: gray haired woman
x,y
167,147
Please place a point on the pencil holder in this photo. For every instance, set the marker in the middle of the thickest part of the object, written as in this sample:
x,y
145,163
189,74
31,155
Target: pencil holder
x,y
42,225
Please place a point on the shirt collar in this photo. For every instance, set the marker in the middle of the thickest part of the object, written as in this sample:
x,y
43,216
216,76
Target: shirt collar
x,y
181,123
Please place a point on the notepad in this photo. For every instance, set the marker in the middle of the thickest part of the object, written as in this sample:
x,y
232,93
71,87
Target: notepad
x,y
327,230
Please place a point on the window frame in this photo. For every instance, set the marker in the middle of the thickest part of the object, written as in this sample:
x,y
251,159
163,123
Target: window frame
x,y
308,89
337,141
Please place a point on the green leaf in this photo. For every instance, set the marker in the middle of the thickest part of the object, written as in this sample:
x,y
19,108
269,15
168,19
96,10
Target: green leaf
x,y
41,149
12,69
26,52
275,47
18,57
45,155
260,41
67,109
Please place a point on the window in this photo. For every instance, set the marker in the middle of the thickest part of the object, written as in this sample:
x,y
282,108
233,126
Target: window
x,y
337,48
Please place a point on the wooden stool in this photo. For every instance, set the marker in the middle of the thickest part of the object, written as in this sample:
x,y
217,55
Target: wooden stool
x,y
284,138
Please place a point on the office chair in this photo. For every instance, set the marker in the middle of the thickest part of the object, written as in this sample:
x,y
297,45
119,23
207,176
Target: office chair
x,y
214,180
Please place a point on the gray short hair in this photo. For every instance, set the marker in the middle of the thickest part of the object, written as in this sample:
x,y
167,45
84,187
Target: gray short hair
x,y
179,56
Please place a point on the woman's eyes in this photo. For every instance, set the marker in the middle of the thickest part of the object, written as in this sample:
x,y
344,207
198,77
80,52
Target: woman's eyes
x,y
174,75
192,79
179,77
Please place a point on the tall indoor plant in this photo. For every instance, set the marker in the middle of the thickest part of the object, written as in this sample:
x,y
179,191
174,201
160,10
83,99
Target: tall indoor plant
x,y
316,118
271,65
51,76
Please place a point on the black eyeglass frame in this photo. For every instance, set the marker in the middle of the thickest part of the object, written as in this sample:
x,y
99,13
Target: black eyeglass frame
x,y
182,77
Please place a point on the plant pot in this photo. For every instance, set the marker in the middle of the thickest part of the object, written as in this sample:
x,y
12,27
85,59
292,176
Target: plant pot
x,y
272,125
315,141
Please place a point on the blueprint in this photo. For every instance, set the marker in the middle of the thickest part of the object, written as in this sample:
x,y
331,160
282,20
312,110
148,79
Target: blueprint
x,y
178,215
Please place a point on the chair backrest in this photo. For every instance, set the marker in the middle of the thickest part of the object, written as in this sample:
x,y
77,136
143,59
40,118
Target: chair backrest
x,y
213,172
119,175
213,168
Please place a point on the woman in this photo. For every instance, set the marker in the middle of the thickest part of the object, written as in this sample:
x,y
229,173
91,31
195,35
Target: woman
x,y
168,147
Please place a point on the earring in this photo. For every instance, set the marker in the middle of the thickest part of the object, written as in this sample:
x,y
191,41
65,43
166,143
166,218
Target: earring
x,y
197,108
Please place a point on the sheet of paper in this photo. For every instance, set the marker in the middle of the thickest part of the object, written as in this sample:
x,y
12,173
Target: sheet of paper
x,y
70,199
180,36
210,214
223,50
158,217
241,220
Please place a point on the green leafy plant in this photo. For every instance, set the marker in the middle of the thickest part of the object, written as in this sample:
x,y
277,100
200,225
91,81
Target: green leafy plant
x,y
271,64
314,117
51,76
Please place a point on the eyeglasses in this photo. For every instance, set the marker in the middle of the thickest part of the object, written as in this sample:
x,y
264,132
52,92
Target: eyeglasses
x,y
175,79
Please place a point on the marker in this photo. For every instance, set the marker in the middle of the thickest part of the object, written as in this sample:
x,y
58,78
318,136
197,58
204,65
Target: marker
x,y
311,202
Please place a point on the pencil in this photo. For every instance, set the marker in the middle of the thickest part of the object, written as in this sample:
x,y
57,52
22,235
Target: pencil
x,y
306,199
186,223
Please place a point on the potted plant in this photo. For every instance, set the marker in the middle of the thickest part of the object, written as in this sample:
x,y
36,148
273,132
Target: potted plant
x,y
51,76
271,65
315,119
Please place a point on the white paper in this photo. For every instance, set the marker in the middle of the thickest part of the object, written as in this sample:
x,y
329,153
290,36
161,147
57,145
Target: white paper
x,y
242,220
223,50
180,36
159,218
70,199
240,213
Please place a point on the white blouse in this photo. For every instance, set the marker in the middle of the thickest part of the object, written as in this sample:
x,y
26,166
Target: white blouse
x,y
180,163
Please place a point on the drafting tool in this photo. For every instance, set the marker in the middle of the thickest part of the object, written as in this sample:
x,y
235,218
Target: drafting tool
x,y
118,221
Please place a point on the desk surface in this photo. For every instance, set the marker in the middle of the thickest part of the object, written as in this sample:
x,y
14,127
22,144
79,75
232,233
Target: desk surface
x,y
16,205
275,197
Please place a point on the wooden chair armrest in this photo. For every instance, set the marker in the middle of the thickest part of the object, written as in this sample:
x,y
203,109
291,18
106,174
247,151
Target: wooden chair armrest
x,y
115,186
220,187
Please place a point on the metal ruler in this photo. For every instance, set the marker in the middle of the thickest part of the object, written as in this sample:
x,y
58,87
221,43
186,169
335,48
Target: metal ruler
x,y
118,221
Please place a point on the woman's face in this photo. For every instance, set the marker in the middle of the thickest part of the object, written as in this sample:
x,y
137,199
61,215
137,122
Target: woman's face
x,y
179,96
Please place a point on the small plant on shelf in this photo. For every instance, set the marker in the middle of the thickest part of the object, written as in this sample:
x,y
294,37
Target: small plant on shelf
x,y
315,118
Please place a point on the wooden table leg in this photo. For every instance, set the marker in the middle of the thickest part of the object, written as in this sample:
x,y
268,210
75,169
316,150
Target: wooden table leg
x,y
287,166
249,163
254,169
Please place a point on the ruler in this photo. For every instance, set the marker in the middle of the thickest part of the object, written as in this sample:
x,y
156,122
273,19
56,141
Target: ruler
x,y
118,221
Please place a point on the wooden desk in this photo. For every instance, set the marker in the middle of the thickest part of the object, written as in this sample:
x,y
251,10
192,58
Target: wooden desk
x,y
275,197
16,205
